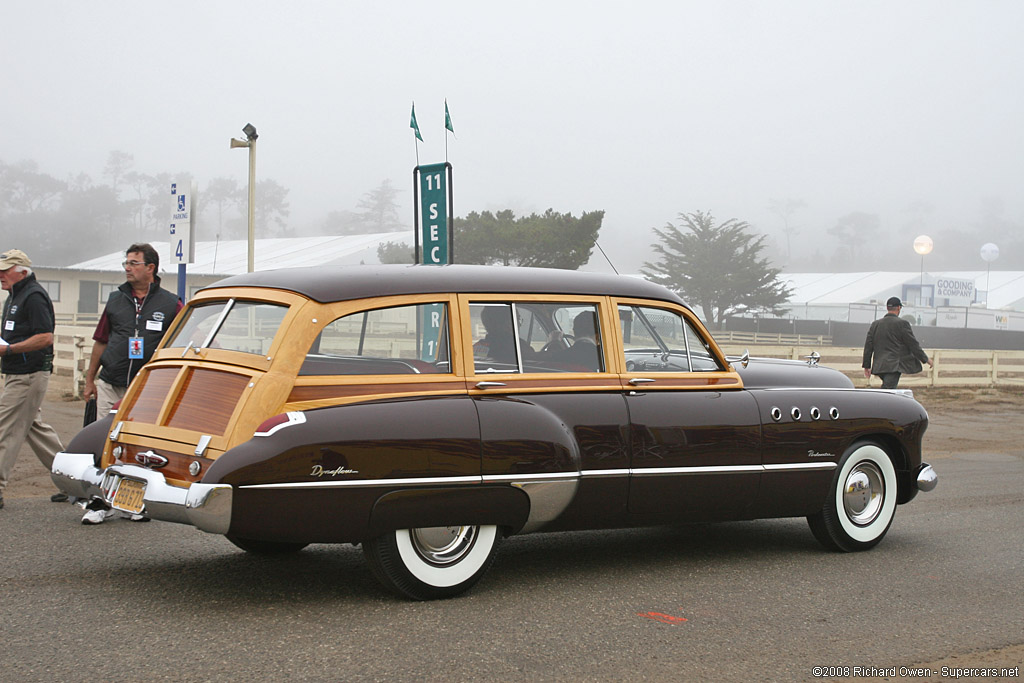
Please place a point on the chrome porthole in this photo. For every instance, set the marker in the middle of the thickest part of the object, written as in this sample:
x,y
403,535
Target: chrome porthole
x,y
864,493
833,412
194,467
443,545
776,413
815,413
795,413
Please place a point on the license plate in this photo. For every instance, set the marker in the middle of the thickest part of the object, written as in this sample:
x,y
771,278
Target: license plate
x,y
129,496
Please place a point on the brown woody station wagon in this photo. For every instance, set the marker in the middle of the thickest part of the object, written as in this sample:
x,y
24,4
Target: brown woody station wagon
x,y
426,412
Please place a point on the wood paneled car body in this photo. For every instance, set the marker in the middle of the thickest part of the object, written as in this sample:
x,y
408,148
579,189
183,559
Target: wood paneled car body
x,y
428,411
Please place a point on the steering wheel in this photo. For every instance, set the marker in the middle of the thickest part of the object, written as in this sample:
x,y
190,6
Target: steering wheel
x,y
563,342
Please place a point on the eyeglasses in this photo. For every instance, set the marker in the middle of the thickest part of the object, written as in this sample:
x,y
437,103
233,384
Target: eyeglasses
x,y
133,264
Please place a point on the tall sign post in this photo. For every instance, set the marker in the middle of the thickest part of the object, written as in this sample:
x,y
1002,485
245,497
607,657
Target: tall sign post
x,y
183,249
432,197
432,187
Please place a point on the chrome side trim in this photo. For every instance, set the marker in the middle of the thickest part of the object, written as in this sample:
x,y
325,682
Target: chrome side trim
x,y
603,474
524,478
724,469
544,477
365,483
800,466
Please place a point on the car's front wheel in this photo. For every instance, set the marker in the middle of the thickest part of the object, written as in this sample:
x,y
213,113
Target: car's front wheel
x,y
861,502
434,562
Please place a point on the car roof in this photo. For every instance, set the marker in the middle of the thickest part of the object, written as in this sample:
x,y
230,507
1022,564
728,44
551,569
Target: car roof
x,y
345,283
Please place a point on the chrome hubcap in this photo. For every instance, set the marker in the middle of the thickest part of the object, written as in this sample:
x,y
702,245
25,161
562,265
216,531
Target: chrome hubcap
x,y
864,493
443,545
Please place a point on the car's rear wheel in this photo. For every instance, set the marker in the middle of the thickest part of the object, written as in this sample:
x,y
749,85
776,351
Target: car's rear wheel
x,y
861,503
266,547
434,562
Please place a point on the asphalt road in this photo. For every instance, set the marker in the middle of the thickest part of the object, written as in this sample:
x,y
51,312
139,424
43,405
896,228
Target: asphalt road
x,y
742,601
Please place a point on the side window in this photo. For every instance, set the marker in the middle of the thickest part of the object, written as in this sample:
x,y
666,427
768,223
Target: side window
x,y
536,337
231,325
385,341
658,340
701,358
495,347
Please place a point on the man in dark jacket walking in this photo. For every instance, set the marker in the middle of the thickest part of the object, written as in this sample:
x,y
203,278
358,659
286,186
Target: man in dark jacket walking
x,y
134,321
26,348
891,349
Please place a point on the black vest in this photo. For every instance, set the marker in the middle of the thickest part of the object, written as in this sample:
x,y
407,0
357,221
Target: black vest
x,y
150,323
25,294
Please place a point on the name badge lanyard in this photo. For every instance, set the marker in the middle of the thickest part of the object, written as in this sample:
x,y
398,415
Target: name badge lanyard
x,y
135,342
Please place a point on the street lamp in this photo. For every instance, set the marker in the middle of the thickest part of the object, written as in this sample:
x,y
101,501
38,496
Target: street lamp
x,y
250,142
922,245
989,253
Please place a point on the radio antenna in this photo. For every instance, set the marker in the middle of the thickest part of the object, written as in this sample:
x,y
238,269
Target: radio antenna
x,y
598,245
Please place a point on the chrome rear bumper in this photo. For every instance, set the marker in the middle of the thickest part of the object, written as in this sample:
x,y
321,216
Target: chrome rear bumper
x,y
927,478
204,506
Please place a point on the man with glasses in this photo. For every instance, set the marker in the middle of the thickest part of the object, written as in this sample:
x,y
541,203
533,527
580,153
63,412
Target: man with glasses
x,y
134,321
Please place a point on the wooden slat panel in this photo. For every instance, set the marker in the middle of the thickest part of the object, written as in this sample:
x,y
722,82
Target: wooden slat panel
x,y
148,401
206,401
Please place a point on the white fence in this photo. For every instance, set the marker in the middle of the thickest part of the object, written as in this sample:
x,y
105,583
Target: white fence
x,y
952,367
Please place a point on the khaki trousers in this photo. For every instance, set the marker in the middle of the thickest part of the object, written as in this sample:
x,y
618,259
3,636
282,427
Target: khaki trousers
x,y
106,396
19,422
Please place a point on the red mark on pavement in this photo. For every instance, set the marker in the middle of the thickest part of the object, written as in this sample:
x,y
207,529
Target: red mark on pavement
x,y
663,618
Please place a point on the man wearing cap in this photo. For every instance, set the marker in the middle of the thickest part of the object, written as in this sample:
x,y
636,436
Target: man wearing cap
x,y
26,360
891,349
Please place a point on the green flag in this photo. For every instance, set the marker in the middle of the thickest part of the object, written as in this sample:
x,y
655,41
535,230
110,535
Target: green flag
x,y
415,126
448,118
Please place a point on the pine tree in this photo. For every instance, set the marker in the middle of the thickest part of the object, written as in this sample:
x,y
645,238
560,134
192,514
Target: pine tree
x,y
717,268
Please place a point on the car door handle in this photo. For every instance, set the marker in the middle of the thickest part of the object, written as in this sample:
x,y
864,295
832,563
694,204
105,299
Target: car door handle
x,y
641,380
488,385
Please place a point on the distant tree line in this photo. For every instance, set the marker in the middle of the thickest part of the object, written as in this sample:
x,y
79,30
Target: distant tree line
x,y
866,240
59,222
547,240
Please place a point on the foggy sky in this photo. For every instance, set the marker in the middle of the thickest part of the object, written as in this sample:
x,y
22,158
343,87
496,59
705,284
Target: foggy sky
x,y
643,109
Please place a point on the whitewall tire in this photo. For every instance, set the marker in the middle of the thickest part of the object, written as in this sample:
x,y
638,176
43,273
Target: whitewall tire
x,y
861,502
435,562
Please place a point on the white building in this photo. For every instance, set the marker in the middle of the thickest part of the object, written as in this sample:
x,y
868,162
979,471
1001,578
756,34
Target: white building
x,y
976,299
79,291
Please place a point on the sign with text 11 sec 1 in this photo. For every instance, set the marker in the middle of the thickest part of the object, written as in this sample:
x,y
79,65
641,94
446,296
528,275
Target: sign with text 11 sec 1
x,y
183,248
434,234
433,243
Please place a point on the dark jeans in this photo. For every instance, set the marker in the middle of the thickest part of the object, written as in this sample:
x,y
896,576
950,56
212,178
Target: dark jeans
x,y
890,379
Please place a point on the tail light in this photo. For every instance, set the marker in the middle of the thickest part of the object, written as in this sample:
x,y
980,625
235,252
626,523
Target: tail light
x,y
279,422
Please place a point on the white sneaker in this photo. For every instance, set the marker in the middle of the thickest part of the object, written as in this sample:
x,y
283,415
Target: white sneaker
x,y
134,517
97,516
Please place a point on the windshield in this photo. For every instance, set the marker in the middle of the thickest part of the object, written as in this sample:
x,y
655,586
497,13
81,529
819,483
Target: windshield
x,y
245,326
